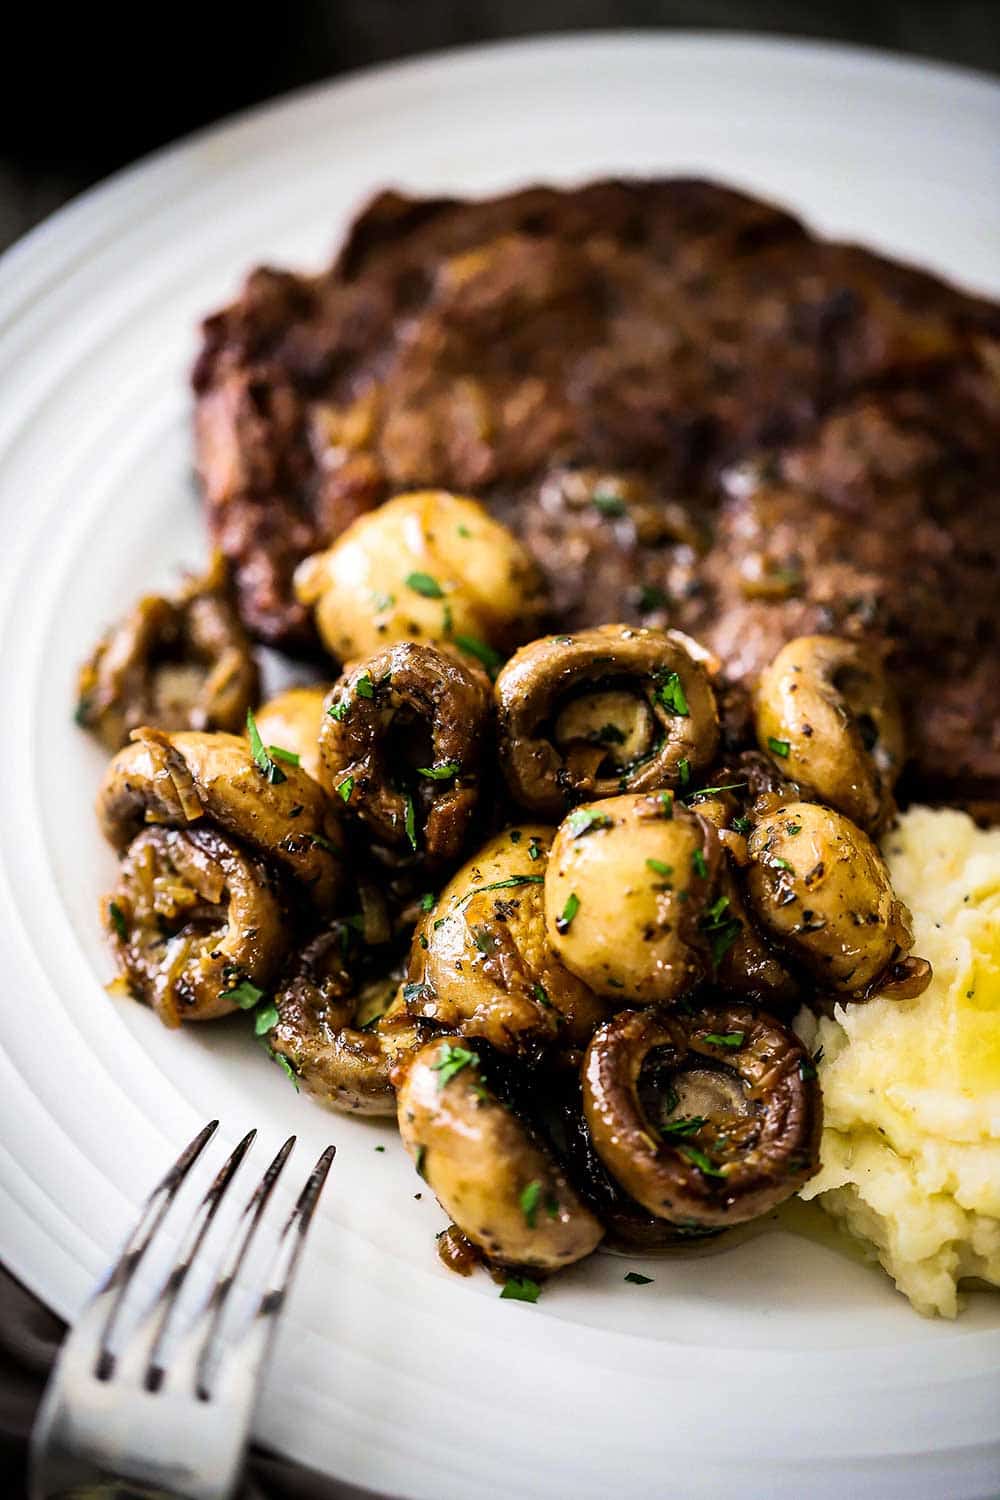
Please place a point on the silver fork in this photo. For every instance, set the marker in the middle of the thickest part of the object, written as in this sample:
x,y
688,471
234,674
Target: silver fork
x,y
142,1421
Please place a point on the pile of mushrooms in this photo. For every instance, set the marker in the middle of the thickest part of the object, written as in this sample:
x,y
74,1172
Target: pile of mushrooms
x,y
535,905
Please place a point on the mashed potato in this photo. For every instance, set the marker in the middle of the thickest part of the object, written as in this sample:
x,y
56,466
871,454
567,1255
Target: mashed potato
x,y
910,1158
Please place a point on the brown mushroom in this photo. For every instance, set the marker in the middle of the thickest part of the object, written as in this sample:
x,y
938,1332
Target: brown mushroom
x,y
498,1183
197,926
826,710
173,663
401,744
613,709
213,780
481,964
708,1119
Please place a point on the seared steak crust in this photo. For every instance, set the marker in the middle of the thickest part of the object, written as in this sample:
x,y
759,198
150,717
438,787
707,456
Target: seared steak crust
x,y
691,409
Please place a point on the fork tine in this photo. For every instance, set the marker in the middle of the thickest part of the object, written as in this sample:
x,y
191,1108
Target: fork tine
x,y
249,1351
117,1282
146,1367
240,1245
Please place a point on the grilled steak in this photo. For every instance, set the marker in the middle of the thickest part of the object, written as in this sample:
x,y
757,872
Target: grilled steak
x,y
690,408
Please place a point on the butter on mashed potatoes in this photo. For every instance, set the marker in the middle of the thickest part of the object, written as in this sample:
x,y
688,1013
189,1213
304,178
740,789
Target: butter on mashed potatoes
x,y
910,1156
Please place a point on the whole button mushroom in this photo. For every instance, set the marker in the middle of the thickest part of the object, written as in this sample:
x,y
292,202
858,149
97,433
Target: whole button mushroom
x,y
707,1120
826,711
821,892
481,964
428,566
629,894
499,1185
602,711
400,745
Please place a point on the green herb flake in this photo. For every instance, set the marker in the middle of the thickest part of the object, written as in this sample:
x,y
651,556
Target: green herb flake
x,y
704,1163
410,822
286,1068
670,693
699,865
684,1125
516,835
444,772
452,1060
265,1020
473,646
418,991
322,842
339,710
666,800
118,921
659,868
731,1039
608,504
244,994
586,820
418,1161
363,686
529,1200
651,597
464,532
520,1289
534,849
425,585
272,773
684,770
778,747
541,994
569,911
713,791
379,1148
428,901
345,788
778,862
509,884
742,825
634,1278
290,757
793,828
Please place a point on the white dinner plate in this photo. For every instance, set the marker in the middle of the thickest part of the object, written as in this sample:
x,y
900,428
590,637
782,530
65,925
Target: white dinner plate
x,y
780,1367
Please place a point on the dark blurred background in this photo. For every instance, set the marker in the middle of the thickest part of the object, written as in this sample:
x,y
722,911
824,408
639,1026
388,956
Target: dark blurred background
x,y
87,90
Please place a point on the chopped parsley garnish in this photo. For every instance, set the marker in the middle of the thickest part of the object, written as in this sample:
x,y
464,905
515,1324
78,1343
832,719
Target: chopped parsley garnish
x,y
586,820
345,788
684,770
684,1125
731,1039
379,1148
339,710
666,801
452,1060
423,583
244,994
775,859
503,885
363,687
712,791
290,757
671,694
793,828
464,531
541,994
650,597
118,921
534,851
569,911
410,821
418,1161
520,1289
701,1161
634,1278
322,842
272,773
778,747
699,865
608,504
447,620
286,1068
265,1020
742,825
529,1201
445,772
419,991
809,1065
659,868
516,835
473,646
427,901
722,930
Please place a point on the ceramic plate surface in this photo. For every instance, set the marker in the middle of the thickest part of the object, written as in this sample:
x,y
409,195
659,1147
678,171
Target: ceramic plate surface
x,y
782,1367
